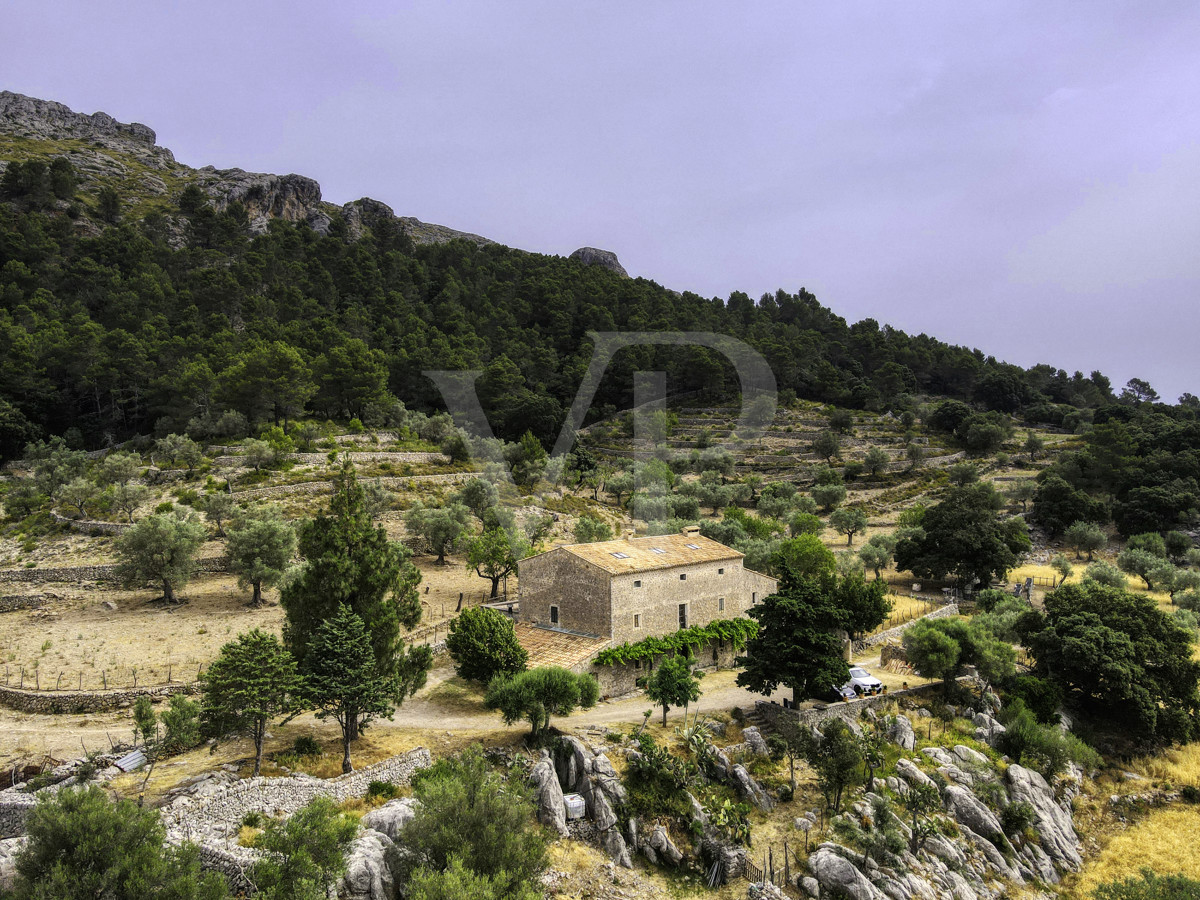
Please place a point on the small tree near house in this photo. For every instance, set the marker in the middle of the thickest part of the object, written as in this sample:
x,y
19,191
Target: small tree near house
x,y
674,683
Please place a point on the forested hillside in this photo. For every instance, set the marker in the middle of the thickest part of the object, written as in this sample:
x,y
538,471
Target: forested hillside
x,y
177,317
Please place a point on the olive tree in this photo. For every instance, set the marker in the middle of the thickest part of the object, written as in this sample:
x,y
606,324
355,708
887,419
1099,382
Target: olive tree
x,y
160,549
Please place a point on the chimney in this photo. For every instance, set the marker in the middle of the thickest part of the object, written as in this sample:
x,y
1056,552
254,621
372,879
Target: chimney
x,y
690,530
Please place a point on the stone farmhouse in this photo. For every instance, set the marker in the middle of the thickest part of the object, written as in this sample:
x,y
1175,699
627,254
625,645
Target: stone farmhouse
x,y
579,598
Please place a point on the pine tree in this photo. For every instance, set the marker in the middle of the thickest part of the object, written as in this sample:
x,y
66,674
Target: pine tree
x,y
350,560
252,682
342,681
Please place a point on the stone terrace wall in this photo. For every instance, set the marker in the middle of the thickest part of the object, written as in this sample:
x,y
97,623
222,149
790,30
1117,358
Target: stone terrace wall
x,y
198,820
93,573
849,710
14,602
91,526
60,702
950,609
323,487
396,456
283,796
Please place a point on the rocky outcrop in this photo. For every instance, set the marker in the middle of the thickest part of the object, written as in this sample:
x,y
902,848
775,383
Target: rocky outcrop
x,y
1053,825
606,259
48,120
901,733
840,877
391,818
112,146
749,789
660,848
549,795
292,198
755,741
908,770
368,875
967,809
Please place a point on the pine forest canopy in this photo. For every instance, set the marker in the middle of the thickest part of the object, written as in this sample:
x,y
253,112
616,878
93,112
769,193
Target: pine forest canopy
x,y
168,321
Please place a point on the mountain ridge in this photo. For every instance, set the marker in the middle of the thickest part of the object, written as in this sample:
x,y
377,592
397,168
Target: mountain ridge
x,y
291,197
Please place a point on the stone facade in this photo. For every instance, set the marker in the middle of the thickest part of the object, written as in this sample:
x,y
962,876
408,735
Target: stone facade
x,y
635,588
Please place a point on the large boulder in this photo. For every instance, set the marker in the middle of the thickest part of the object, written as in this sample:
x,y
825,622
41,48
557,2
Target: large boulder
x,y
664,849
1055,830
755,741
967,755
368,876
750,790
908,770
549,795
841,878
605,777
391,818
572,760
967,809
901,733
615,847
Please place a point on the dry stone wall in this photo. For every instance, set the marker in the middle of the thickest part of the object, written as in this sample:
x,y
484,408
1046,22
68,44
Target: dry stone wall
x,y
208,565
60,702
14,602
893,634
190,819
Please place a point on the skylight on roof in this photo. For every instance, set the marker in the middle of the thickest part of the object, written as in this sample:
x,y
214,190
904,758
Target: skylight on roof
x,y
658,550
692,546
619,555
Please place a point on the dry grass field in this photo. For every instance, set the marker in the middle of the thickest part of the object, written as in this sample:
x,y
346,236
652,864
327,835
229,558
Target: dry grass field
x,y
92,646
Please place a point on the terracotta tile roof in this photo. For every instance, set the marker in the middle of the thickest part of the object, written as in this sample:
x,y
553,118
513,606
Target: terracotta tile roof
x,y
557,648
642,554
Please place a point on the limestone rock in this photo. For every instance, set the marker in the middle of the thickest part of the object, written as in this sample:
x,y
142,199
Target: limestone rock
x,y
755,740
391,818
901,733
660,842
840,877
604,776
908,770
614,846
1053,825
368,876
572,761
550,809
9,848
750,790
606,259
939,755
967,809
967,755
945,851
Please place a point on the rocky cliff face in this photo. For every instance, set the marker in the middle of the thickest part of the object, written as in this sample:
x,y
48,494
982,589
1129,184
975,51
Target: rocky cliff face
x,y
606,259
104,150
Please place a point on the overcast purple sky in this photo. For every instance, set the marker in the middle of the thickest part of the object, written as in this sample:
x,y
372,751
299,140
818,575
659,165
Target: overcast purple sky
x,y
1020,177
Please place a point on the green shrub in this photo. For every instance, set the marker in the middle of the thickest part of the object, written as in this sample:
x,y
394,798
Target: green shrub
x,y
1042,747
1190,793
306,746
1016,817
382,790
253,819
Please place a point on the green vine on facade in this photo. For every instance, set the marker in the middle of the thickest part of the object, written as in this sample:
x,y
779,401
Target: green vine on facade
x,y
733,631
